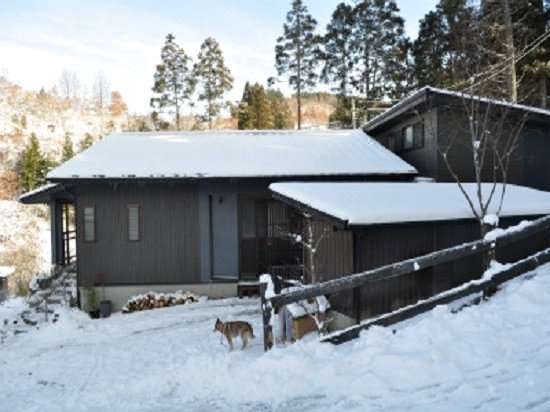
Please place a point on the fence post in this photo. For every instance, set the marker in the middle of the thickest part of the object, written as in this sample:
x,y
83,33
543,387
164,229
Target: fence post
x,y
266,318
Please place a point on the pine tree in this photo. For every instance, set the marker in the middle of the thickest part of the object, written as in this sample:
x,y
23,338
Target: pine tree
x,y
297,51
255,111
213,78
280,111
510,27
174,82
68,150
86,142
244,117
34,165
428,50
443,55
380,50
338,53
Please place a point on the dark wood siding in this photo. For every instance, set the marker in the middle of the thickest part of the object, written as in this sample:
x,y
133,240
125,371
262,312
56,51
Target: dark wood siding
x,y
452,124
168,249
536,146
424,159
334,259
381,245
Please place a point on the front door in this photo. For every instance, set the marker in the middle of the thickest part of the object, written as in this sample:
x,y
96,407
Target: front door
x,y
248,238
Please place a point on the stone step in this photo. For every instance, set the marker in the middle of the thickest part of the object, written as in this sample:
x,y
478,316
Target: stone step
x,y
54,301
40,309
29,321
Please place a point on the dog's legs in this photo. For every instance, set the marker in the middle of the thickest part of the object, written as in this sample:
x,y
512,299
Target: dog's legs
x,y
244,337
230,341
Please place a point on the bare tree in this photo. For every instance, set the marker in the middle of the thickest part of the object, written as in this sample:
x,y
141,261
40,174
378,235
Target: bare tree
x,y
70,88
310,237
489,132
100,92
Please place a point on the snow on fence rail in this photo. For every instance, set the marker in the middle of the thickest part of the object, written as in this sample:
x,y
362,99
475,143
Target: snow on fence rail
x,y
397,269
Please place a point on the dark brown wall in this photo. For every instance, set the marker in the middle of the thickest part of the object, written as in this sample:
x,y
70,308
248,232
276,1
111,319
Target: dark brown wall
x,y
381,245
453,125
168,249
334,259
424,159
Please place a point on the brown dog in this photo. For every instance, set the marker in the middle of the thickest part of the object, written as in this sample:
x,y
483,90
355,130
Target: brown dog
x,y
233,329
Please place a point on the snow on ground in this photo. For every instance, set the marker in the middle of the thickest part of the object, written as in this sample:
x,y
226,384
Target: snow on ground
x,y
495,356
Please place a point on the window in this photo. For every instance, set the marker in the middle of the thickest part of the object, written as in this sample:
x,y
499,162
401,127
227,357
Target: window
x,y
133,223
408,137
418,135
89,224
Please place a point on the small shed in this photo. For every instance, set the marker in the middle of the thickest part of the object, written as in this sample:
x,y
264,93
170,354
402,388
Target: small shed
x,y
373,224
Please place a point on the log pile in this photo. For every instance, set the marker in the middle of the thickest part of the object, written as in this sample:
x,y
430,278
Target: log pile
x,y
154,300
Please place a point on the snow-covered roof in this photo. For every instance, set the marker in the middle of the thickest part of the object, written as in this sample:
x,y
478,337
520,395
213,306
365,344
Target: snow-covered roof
x,y
39,190
395,109
361,203
232,154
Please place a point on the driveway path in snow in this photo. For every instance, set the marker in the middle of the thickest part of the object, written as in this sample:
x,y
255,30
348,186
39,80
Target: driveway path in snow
x,y
495,356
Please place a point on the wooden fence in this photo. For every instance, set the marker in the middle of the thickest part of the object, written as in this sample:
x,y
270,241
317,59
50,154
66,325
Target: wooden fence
x,y
402,268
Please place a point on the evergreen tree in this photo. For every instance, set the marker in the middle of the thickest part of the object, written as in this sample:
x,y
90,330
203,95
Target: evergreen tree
x,y
428,51
213,77
68,150
255,109
297,51
338,54
86,142
380,50
174,82
280,111
34,165
510,27
244,117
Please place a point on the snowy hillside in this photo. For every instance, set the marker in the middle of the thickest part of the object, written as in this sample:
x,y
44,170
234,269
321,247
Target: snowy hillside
x,y
495,356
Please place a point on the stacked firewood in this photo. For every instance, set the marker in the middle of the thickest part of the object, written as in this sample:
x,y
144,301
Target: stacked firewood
x,y
154,300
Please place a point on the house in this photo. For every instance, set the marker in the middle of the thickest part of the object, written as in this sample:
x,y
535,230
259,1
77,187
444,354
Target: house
x,y
169,211
365,225
431,118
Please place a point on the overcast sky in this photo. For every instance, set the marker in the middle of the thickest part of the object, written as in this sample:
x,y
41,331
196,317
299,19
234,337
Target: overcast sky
x,y
123,38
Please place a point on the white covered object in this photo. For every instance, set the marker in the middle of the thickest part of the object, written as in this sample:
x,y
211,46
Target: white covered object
x,y
378,203
233,154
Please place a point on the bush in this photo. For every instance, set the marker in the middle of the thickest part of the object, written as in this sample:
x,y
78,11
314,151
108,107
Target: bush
x,y
92,301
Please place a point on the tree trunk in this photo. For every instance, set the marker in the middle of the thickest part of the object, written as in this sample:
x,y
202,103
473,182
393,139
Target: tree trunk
x,y
511,53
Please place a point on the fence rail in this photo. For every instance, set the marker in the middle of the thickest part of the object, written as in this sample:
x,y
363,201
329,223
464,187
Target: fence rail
x,y
396,269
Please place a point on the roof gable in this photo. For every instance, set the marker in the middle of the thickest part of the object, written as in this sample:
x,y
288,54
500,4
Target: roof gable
x,y
421,96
